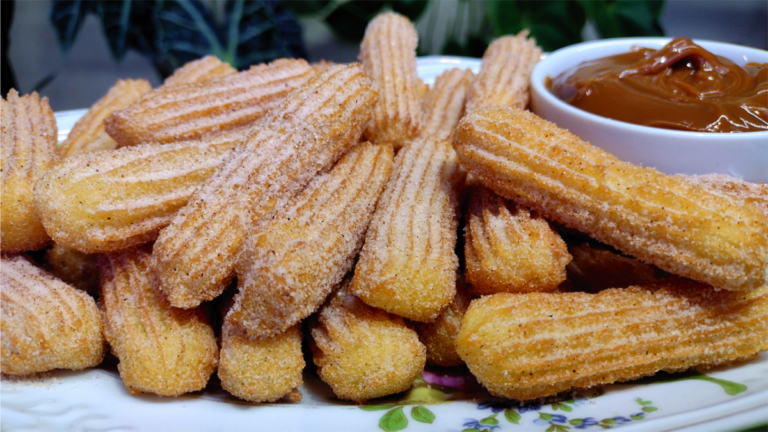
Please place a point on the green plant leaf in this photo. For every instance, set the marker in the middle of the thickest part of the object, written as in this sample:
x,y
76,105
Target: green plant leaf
x,y
393,420
348,21
260,31
129,25
413,9
554,24
186,31
625,18
67,18
307,8
375,407
512,416
421,414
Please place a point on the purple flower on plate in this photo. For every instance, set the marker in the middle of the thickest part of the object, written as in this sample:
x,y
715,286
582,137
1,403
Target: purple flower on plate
x,y
547,419
475,424
584,423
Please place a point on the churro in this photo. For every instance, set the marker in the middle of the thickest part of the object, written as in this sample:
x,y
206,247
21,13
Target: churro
x,y
261,370
593,270
190,111
444,103
504,77
45,324
200,70
507,249
290,265
363,352
95,204
746,192
388,53
307,133
162,350
28,143
439,336
408,264
661,220
74,267
528,346
88,135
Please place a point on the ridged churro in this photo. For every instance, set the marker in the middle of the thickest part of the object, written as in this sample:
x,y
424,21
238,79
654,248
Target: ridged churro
x,y
593,270
162,350
200,70
106,204
74,267
388,53
504,77
28,143
444,103
261,370
307,133
290,265
363,352
45,324
747,192
662,220
439,336
528,346
190,111
408,264
507,249
88,135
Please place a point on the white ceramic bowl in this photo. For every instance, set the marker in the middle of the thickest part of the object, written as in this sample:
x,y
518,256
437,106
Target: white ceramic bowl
x,y
742,155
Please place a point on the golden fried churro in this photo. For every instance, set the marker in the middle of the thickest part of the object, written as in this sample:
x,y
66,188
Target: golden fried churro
x,y
261,370
45,324
754,193
189,111
593,270
28,143
388,53
363,352
200,70
504,77
88,133
509,250
444,103
408,264
308,132
106,204
662,220
74,267
162,350
439,336
289,266
528,346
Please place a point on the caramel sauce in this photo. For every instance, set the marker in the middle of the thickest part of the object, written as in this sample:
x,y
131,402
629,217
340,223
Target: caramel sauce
x,y
681,86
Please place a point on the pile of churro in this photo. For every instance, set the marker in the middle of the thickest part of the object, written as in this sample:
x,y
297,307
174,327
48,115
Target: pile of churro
x,y
219,222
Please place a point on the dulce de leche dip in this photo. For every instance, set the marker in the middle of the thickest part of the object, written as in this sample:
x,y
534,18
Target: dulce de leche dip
x,y
681,86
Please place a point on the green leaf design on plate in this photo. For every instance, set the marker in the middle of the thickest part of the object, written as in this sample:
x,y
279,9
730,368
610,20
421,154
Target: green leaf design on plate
x,y
512,416
471,430
393,420
490,421
649,409
375,407
637,417
545,416
556,406
608,421
423,415
643,402
576,422
731,388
